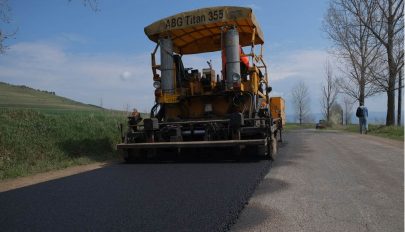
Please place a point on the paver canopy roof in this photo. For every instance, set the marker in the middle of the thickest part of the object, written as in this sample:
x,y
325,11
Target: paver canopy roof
x,y
199,30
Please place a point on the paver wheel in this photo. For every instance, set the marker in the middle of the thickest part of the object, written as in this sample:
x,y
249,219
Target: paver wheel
x,y
272,146
258,152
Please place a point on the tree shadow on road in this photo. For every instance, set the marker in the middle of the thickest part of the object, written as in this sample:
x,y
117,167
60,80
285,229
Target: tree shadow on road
x,y
256,215
271,185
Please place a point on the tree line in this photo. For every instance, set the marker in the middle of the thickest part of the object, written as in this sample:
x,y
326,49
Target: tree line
x,y
368,42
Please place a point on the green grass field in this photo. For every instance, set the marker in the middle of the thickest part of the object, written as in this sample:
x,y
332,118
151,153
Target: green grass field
x,y
40,131
23,97
391,132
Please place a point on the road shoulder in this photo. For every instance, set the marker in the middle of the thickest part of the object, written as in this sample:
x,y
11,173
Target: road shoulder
x,y
19,182
330,181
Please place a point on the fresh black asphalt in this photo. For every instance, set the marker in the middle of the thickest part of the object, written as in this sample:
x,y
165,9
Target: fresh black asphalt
x,y
166,196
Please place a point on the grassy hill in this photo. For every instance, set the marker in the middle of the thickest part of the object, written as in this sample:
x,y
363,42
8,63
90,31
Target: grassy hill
x,y
40,131
13,96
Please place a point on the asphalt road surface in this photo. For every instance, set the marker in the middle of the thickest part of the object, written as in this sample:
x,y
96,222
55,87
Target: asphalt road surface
x,y
326,181
321,181
188,196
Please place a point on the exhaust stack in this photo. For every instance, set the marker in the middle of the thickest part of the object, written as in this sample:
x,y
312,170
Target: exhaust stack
x,y
232,57
167,65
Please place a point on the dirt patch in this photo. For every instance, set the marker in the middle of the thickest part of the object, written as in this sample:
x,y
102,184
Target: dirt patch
x,y
20,182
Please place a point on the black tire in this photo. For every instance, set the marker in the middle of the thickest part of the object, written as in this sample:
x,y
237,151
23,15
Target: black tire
x,y
126,154
263,151
257,152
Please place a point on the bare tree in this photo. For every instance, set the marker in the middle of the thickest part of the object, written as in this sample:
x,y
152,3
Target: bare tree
x,y
385,20
399,112
330,92
301,100
347,108
5,19
336,116
355,48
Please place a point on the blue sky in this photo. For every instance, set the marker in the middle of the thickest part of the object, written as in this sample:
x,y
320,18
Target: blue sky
x,y
65,47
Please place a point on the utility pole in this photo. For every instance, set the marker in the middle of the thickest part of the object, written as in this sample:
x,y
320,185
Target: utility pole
x,y
399,98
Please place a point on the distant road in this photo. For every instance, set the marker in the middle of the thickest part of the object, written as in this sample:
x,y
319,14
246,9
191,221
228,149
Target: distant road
x,y
330,181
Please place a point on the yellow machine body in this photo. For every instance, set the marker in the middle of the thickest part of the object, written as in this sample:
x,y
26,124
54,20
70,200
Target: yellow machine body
x,y
208,108
277,107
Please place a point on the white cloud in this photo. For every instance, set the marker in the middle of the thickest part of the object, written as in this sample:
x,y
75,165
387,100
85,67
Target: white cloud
x,y
83,77
305,64
126,79
309,66
125,75
300,65
36,54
